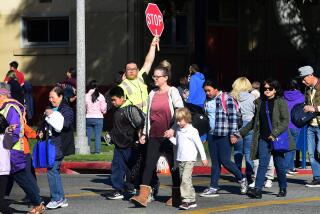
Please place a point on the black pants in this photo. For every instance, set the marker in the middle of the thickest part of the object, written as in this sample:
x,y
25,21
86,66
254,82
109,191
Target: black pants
x,y
3,184
155,148
29,170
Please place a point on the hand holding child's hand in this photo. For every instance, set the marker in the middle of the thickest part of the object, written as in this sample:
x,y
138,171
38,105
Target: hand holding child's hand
x,y
205,162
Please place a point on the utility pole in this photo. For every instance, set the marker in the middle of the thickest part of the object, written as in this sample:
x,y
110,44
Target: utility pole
x,y
81,142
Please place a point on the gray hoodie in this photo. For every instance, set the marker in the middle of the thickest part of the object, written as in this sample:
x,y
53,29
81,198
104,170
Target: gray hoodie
x,y
246,105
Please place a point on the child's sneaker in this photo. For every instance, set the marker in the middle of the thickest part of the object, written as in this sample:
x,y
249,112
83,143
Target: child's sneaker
x,y
188,205
209,192
116,195
268,183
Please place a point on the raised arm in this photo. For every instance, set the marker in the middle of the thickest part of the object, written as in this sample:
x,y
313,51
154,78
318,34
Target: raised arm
x,y
150,56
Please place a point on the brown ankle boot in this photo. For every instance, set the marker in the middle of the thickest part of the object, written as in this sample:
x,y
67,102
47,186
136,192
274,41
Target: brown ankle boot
x,y
175,199
142,198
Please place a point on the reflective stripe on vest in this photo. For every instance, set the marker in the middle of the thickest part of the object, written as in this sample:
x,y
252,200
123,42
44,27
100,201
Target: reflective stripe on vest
x,y
4,112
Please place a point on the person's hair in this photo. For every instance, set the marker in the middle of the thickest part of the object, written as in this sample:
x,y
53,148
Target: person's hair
x,y
274,84
194,68
12,75
256,85
212,83
131,62
94,85
73,72
58,90
183,114
14,64
293,84
166,64
165,72
3,124
241,84
116,91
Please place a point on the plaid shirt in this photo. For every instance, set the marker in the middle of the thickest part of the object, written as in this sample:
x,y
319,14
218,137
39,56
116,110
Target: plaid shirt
x,y
225,122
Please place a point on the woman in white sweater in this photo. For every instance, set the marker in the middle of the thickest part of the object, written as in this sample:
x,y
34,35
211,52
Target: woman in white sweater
x,y
158,128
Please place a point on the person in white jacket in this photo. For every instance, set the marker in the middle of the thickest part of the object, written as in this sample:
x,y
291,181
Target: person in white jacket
x,y
4,166
188,143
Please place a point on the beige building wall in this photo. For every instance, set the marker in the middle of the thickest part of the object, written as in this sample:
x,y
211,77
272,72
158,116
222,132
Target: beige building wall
x,y
108,39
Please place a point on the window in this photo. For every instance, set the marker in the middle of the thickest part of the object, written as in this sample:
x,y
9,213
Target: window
x,y
49,31
223,10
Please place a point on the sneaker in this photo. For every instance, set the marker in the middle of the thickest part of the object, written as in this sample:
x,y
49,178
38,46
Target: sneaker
x,y
54,204
64,203
132,191
288,174
151,198
313,183
268,183
188,205
116,195
292,172
243,186
209,192
252,185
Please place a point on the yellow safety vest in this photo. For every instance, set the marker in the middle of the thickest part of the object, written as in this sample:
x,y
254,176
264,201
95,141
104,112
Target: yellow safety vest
x,y
136,92
18,145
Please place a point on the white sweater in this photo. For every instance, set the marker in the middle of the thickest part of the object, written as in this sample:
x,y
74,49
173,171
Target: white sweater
x,y
189,143
4,159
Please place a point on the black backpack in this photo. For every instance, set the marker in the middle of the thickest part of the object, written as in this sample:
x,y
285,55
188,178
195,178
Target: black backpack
x,y
300,118
135,116
200,120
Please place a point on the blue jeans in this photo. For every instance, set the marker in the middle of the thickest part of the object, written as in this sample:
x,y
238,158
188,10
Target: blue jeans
x,y
55,182
313,132
289,156
96,125
220,153
264,159
243,147
119,167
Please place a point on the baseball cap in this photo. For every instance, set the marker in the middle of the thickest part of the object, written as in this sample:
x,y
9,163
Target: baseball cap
x,y
305,71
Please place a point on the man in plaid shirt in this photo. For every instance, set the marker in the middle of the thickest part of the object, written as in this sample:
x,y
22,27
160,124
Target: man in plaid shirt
x,y
221,110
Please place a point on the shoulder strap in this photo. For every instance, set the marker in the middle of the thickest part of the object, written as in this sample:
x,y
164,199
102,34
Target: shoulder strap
x,y
268,116
223,102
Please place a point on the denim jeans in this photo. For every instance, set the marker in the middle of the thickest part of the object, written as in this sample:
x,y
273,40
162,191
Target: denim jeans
x,y
243,148
96,125
264,159
289,156
29,185
55,182
119,167
220,153
313,133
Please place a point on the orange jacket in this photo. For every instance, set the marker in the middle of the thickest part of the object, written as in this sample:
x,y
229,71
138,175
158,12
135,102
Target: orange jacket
x,y
28,133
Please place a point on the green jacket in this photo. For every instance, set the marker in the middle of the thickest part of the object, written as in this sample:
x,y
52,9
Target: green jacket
x,y
280,122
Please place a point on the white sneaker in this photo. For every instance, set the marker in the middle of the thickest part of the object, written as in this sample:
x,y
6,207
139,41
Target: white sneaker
x,y
268,183
209,192
252,185
64,203
57,204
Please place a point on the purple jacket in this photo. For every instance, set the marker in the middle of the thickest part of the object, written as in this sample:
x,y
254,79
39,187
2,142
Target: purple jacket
x,y
292,98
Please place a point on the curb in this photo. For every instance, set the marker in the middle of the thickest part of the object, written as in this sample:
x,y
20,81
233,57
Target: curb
x,y
70,168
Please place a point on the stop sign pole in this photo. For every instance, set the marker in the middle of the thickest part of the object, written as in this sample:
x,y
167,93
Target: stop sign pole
x,y
154,20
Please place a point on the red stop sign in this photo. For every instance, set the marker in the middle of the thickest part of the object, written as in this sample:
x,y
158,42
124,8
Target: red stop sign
x,y
154,19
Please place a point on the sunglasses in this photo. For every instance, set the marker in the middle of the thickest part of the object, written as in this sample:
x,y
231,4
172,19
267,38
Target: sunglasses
x,y
268,89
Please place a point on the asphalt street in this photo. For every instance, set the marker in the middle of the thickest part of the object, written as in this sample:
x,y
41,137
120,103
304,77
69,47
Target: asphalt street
x,y
86,193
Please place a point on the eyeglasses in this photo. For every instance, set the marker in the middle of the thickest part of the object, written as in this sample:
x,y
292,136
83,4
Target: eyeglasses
x,y
156,77
131,69
268,89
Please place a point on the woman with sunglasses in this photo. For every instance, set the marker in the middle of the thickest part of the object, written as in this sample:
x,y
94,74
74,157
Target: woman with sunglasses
x,y
273,104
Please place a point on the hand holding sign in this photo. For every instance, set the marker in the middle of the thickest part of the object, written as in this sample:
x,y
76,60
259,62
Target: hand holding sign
x,y
154,21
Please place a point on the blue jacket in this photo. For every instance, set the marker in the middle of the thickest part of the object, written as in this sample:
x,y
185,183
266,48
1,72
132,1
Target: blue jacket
x,y
197,95
293,97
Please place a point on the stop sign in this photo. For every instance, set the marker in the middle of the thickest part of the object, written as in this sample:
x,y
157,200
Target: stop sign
x,y
154,19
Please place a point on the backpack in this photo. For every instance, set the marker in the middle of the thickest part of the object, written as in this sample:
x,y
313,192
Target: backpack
x,y
135,116
224,106
200,120
300,118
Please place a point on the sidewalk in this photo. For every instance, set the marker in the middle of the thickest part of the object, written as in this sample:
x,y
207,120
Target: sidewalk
x,y
101,166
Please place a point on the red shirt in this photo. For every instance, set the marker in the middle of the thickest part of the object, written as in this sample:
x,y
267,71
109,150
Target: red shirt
x,y
160,115
20,77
